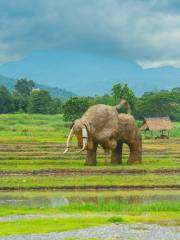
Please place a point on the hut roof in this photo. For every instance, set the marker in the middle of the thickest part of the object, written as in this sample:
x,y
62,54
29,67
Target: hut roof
x,y
157,124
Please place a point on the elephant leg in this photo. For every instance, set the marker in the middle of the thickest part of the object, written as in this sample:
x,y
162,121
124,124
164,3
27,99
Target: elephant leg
x,y
91,157
116,156
135,155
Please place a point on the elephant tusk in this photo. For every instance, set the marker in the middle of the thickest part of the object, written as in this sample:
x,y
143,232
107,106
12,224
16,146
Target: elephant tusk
x,y
84,147
69,139
85,138
66,150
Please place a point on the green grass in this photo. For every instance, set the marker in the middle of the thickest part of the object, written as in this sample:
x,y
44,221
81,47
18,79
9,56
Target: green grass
x,y
176,131
125,208
65,224
38,127
149,163
49,225
93,208
127,180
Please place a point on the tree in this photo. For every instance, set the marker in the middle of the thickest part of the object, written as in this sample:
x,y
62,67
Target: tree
x,y
39,102
177,90
120,91
6,101
117,91
24,87
75,107
106,99
55,106
158,104
21,102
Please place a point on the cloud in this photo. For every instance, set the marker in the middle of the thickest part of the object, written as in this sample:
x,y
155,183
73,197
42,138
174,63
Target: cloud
x,y
147,32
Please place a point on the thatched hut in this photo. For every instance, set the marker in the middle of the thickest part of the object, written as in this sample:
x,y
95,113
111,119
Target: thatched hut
x,y
161,124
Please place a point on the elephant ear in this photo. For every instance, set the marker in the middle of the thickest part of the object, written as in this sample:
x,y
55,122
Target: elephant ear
x,y
89,127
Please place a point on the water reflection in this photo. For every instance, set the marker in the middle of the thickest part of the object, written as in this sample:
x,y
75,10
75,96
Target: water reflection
x,y
55,201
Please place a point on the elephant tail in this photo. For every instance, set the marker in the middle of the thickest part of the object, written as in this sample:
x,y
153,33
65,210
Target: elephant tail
x,y
123,103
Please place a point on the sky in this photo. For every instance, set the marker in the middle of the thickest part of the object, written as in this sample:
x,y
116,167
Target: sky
x,y
146,32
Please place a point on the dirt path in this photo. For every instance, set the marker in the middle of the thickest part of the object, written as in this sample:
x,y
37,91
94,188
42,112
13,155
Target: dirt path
x,y
87,172
92,188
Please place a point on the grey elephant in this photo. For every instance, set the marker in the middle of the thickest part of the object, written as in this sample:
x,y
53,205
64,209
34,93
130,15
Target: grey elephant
x,y
103,125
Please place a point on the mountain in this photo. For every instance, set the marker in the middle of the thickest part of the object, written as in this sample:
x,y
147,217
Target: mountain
x,y
54,91
90,74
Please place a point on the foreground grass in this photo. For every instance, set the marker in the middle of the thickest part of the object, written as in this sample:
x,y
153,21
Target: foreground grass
x,y
65,224
49,225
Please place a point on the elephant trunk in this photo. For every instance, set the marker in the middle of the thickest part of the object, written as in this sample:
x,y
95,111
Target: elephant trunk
x,y
69,139
85,138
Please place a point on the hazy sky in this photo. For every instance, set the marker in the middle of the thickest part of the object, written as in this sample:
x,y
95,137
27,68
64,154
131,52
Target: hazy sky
x,y
144,31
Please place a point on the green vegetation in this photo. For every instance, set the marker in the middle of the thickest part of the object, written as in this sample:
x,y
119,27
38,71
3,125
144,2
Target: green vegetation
x,y
120,91
124,180
25,99
34,127
75,107
50,225
123,208
150,104
6,100
102,207
65,224
159,104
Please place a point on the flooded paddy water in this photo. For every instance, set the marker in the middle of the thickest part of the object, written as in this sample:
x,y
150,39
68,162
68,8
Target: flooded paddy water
x,y
57,199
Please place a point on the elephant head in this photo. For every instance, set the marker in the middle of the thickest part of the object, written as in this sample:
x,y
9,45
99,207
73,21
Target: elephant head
x,y
82,131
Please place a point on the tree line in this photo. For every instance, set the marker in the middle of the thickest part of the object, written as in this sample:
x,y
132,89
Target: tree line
x,y
151,104
25,98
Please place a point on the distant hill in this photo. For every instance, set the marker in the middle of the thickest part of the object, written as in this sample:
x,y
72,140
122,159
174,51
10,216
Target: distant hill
x,y
54,91
90,74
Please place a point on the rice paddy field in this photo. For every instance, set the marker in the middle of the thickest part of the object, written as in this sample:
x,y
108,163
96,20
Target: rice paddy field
x,y
38,179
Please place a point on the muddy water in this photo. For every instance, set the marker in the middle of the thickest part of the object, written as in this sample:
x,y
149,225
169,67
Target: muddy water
x,y
10,199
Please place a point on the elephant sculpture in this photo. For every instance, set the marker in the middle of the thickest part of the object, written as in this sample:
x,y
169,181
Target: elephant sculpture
x,y
103,125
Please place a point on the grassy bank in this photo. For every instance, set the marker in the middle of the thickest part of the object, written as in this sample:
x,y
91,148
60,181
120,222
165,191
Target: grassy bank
x,y
65,224
88,181
49,225
94,208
